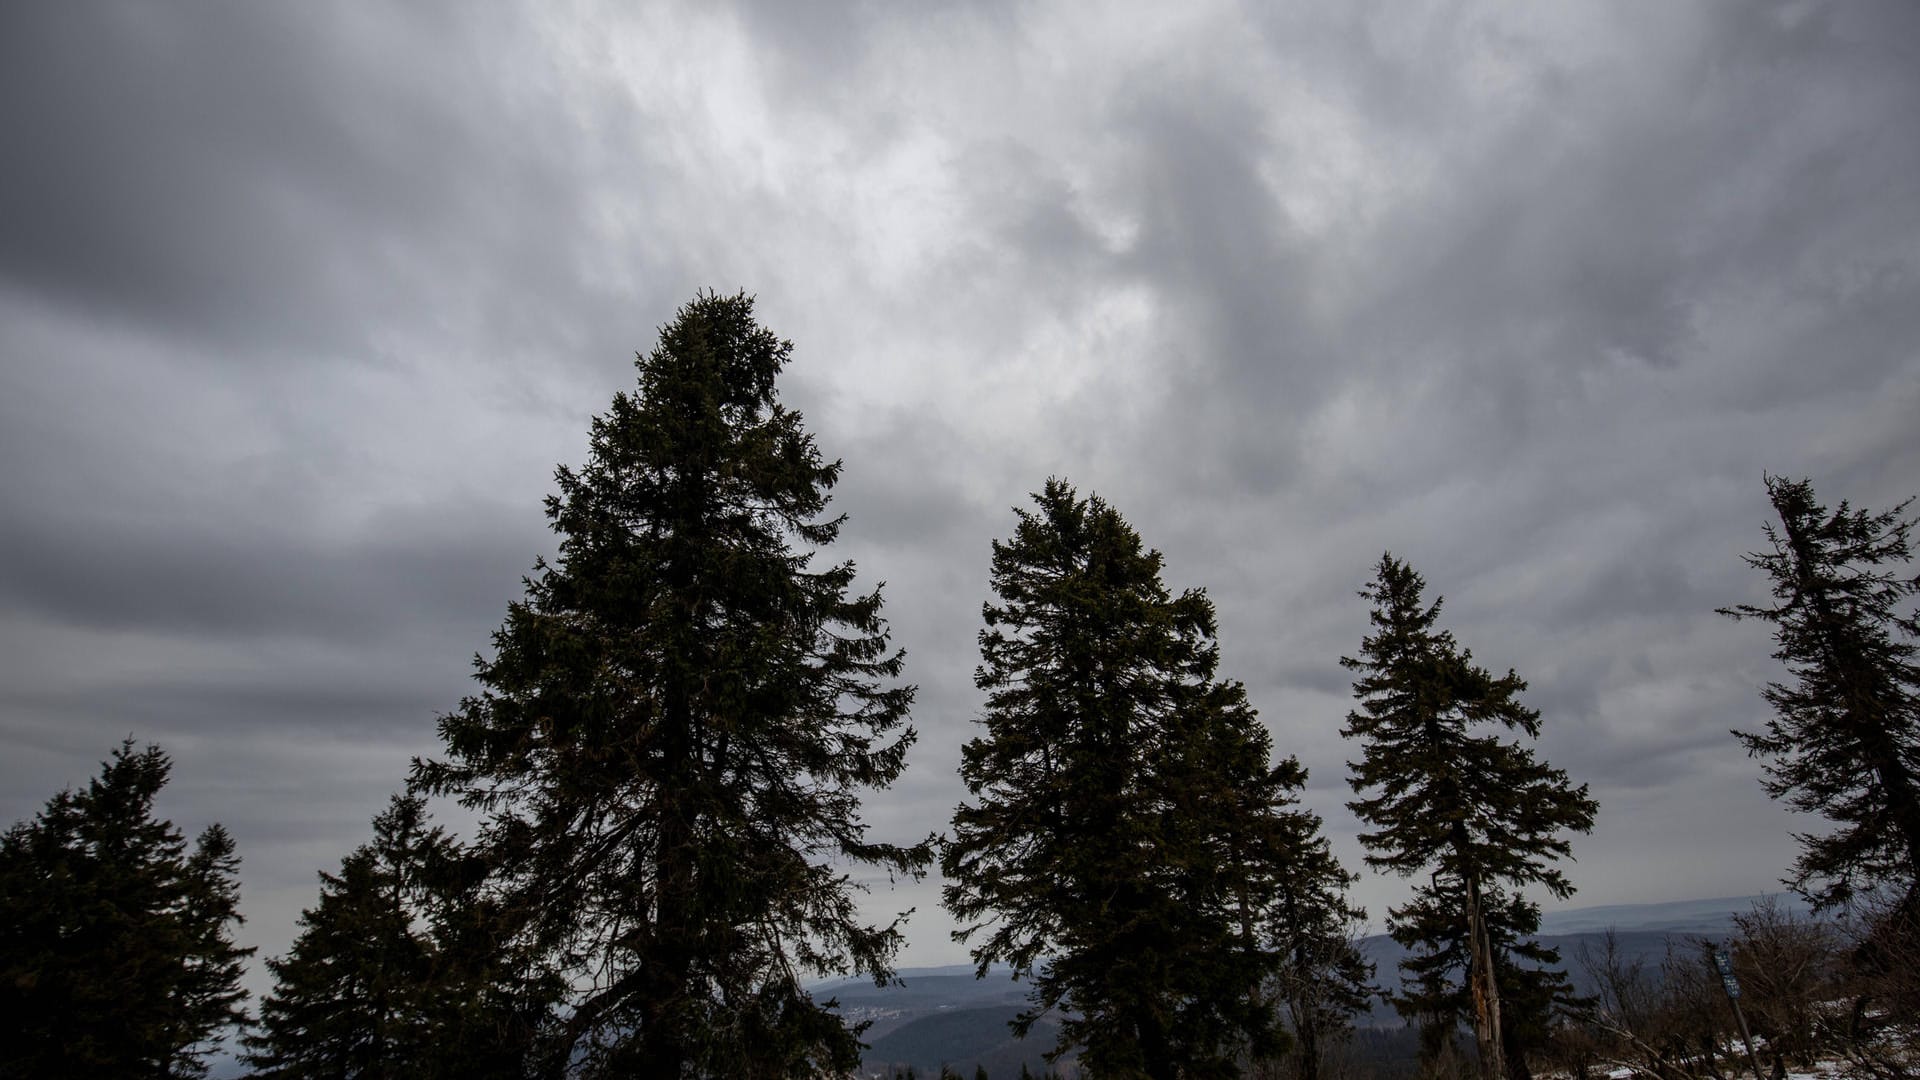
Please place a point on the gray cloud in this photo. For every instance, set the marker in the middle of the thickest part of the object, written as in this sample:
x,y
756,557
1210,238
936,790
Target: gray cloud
x,y
299,308
269,183
450,565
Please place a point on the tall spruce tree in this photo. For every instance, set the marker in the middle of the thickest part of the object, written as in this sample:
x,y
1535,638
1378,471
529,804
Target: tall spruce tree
x,y
116,948
1478,814
676,726
1844,740
1126,817
394,973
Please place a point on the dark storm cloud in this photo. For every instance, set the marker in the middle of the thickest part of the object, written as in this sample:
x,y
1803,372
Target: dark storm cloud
x,y
1032,226
287,180
449,562
1605,226
809,39
1217,246
366,703
1651,583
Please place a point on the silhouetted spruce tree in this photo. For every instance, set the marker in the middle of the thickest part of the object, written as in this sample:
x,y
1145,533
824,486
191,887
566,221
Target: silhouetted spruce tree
x,y
116,949
1844,740
1474,812
1322,979
394,973
1251,859
676,726
1284,890
1124,804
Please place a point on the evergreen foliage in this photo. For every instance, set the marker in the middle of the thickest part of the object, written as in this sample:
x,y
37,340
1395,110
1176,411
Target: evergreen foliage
x,y
676,724
1844,740
1480,815
395,973
1127,826
1322,978
116,949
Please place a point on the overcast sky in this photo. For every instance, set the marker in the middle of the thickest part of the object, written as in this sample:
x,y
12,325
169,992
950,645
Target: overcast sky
x,y
300,305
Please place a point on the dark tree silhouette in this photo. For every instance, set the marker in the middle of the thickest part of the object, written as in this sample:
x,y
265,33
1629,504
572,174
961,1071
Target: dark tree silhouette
x,y
1474,812
395,972
1127,824
677,723
1844,740
116,948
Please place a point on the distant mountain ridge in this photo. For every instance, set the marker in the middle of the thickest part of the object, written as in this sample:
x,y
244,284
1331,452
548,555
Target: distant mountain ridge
x,y
944,1016
1673,916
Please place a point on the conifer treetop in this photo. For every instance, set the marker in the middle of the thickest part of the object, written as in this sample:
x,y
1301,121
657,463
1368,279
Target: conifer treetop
x,y
1844,738
1127,830
1436,792
679,719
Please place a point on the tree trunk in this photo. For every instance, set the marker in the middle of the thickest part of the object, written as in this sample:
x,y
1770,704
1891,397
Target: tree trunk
x,y
1155,1052
662,1038
1484,991
1307,1053
1303,991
